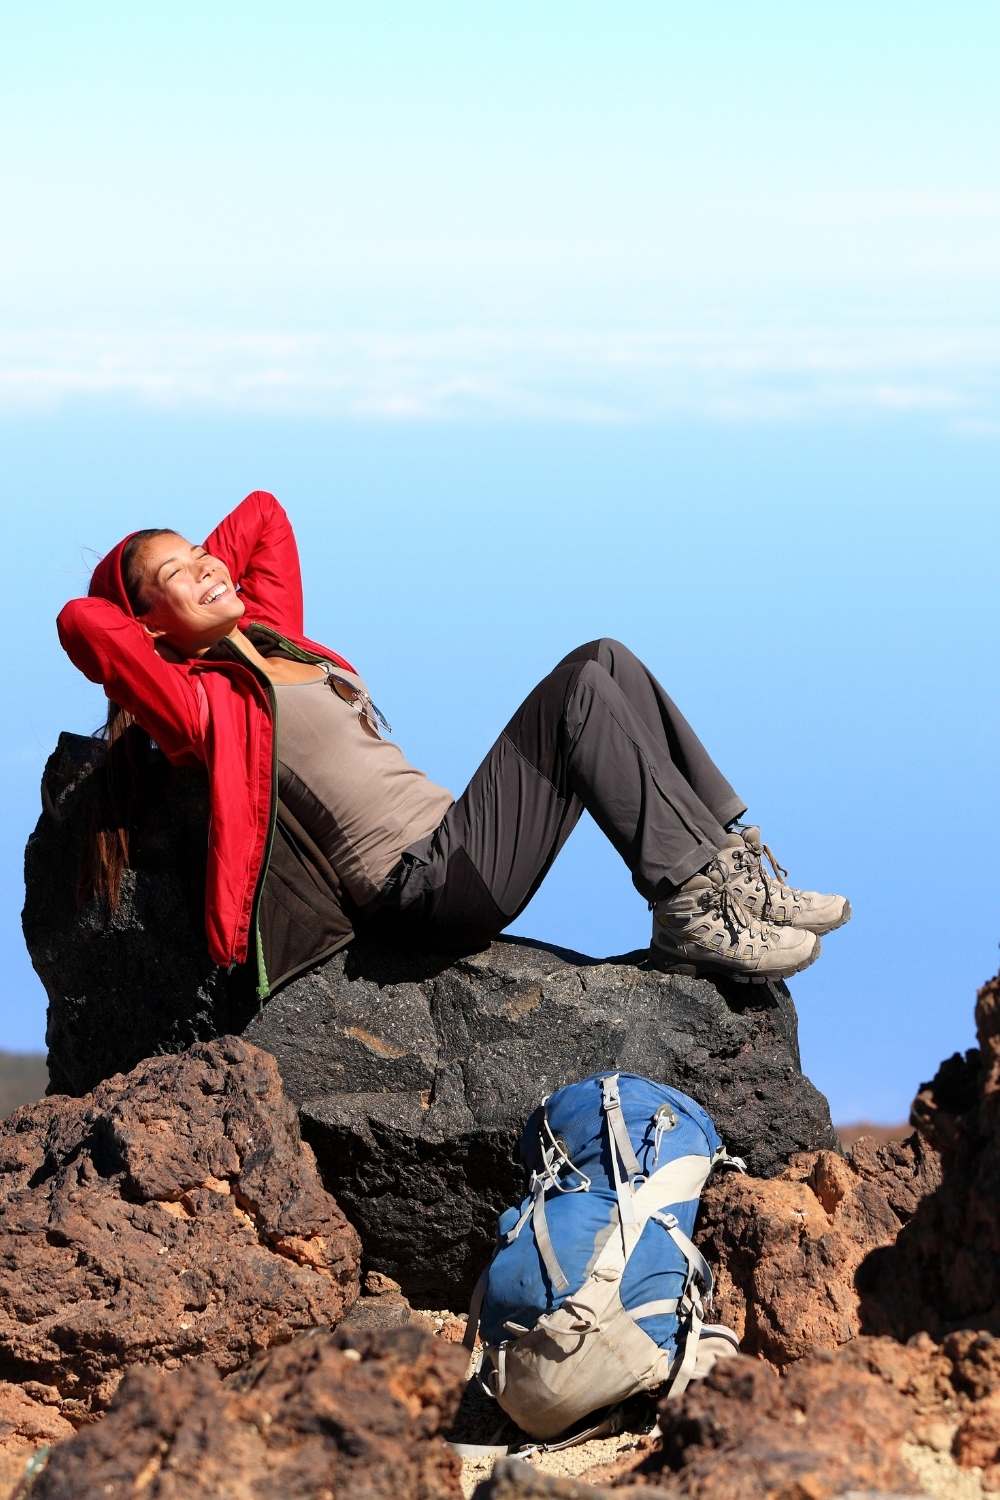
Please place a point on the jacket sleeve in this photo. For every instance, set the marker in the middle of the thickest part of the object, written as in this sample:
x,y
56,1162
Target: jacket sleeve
x,y
115,651
257,544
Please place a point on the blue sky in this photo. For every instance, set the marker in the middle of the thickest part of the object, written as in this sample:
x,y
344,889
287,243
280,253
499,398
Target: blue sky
x,y
443,210
675,324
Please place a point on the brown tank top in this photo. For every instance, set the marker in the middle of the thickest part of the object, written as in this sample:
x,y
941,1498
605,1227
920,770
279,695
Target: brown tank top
x,y
353,791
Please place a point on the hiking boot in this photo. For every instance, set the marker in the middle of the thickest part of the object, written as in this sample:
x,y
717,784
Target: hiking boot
x,y
704,927
767,897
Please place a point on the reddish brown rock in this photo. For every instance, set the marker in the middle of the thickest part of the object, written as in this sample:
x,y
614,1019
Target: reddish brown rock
x,y
328,1415
892,1239
943,1272
29,1420
513,1479
452,1329
786,1250
827,1426
173,1213
975,1374
381,1305
850,1419
977,1441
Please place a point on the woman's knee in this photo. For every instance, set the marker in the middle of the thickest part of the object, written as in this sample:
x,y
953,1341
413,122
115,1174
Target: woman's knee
x,y
605,651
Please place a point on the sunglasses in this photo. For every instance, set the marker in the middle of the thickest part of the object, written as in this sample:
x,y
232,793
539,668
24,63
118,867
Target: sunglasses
x,y
368,712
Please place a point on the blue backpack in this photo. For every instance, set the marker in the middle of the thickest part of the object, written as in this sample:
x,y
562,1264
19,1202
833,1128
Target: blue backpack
x,y
595,1290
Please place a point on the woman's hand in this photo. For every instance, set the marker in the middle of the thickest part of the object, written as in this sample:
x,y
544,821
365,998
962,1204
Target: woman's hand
x,y
257,544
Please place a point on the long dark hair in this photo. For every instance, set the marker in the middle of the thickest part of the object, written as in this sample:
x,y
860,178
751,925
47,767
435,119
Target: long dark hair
x,y
124,778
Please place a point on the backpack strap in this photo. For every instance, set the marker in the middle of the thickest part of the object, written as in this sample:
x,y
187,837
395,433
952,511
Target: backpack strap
x,y
699,1269
620,1147
554,1159
697,1295
616,1120
610,1423
683,1372
476,1308
494,1450
661,1307
543,1240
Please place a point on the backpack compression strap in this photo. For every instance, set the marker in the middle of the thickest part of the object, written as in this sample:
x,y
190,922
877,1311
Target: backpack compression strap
x,y
620,1149
554,1159
612,1422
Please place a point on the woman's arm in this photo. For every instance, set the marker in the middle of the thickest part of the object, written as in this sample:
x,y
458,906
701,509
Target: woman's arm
x,y
257,544
115,651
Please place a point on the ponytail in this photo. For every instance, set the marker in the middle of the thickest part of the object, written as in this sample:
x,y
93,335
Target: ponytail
x,y
123,781
119,800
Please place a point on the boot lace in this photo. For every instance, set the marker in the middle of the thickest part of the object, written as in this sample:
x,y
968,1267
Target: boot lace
x,y
774,886
728,903
779,870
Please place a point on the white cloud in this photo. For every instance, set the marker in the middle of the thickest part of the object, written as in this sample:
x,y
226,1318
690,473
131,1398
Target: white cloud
x,y
977,427
767,374
916,398
899,205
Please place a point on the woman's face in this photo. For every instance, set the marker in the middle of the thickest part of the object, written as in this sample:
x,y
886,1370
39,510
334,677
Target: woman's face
x,y
189,597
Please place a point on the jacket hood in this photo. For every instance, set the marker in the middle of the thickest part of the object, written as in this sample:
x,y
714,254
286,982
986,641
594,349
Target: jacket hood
x,y
106,581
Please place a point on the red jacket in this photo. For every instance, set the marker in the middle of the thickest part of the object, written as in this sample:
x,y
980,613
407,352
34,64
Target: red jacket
x,y
216,712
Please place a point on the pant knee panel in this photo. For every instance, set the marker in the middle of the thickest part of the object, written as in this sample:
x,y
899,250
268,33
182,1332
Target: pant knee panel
x,y
538,728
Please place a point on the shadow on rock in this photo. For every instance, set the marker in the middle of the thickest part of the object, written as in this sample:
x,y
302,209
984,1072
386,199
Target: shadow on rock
x,y
943,1271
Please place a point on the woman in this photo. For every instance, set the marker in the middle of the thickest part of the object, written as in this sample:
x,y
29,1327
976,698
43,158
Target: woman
x,y
318,823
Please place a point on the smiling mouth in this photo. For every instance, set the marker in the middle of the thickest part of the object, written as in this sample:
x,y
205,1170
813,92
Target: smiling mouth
x,y
214,593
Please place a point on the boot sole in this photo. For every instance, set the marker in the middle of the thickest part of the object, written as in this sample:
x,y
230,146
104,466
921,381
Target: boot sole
x,y
669,965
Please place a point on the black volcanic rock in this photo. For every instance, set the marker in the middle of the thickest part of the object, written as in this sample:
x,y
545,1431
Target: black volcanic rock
x,y
143,982
414,1084
414,1075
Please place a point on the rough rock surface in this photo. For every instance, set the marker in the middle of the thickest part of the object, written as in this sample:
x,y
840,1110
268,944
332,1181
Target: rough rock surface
x,y
943,1272
30,1419
786,1251
744,1433
414,1074
173,1213
382,1306
513,1479
327,1415
96,973
414,1088
872,1416
896,1239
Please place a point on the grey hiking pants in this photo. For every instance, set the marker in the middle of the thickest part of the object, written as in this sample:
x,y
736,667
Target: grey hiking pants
x,y
600,735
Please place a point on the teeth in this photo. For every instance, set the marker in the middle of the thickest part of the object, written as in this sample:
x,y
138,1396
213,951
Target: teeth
x,y
214,594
